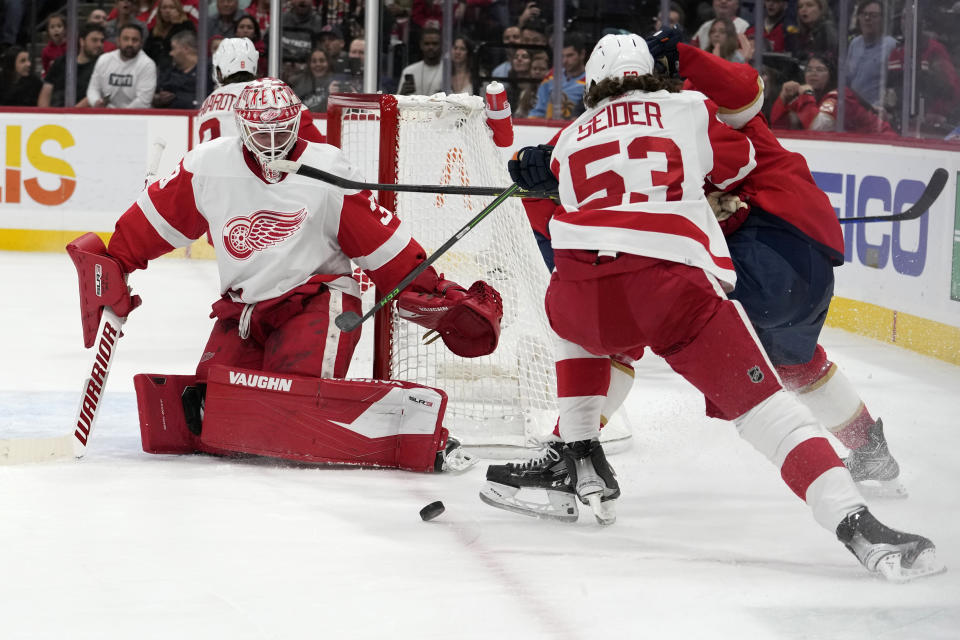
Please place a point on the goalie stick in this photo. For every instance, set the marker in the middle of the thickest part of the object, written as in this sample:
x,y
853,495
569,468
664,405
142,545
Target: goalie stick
x,y
22,450
930,194
292,166
350,320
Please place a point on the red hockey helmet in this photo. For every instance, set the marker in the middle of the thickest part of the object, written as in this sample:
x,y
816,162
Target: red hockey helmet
x,y
268,118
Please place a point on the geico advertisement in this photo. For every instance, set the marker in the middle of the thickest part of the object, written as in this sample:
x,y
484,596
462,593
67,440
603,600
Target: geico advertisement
x,y
69,171
907,265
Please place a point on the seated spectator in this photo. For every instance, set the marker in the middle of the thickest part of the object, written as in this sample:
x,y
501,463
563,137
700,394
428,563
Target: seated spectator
x,y
725,42
574,57
519,70
351,80
260,10
123,13
300,25
19,86
224,22
776,27
813,105
461,74
125,78
539,68
90,46
938,84
313,86
677,19
177,85
331,40
99,18
56,40
426,14
721,9
868,52
534,32
511,37
816,30
424,77
518,83
213,43
248,28
171,19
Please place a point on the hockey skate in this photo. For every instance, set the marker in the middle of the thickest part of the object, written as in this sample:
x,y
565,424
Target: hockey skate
x,y
896,556
592,478
875,471
509,485
454,458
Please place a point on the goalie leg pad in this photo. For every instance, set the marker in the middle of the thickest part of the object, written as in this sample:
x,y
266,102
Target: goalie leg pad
x,y
163,423
383,423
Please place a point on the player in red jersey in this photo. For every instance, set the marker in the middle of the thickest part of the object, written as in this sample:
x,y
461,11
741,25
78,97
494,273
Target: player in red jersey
x,y
284,246
641,262
784,256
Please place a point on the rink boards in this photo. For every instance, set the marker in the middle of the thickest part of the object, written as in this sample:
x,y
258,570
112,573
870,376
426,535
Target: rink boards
x,y
77,170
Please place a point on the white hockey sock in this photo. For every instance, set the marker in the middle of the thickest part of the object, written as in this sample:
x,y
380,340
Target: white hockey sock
x,y
621,382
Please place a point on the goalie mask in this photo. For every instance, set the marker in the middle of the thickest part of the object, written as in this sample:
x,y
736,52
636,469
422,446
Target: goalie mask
x,y
234,55
267,112
616,56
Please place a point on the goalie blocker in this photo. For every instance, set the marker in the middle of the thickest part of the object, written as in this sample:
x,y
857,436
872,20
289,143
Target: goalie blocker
x,y
382,423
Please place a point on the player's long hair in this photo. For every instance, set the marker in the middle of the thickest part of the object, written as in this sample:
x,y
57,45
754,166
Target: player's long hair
x,y
613,87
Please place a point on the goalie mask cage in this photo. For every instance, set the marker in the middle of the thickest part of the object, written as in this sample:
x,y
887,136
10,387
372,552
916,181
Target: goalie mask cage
x,y
508,398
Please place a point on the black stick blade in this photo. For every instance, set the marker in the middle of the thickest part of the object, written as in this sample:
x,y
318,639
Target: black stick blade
x,y
348,321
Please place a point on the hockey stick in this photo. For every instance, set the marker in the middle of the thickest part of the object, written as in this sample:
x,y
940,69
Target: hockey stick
x,y
930,194
21,450
350,320
291,166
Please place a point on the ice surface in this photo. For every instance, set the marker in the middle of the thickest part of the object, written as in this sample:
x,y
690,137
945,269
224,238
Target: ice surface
x,y
708,542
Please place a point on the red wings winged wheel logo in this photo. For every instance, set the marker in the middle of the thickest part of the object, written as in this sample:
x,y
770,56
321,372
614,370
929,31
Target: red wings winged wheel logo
x,y
245,234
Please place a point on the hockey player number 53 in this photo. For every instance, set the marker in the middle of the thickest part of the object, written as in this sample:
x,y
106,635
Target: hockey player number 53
x,y
612,183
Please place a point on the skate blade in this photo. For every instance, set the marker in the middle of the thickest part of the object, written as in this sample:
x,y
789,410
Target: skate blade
x,y
883,489
604,512
925,565
560,506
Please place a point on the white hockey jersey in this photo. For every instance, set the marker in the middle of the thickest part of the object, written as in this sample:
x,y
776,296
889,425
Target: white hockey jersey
x,y
269,238
215,118
631,174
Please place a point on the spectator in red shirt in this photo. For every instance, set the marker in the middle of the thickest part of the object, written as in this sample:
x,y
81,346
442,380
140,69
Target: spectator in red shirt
x,y
56,40
937,82
813,105
260,10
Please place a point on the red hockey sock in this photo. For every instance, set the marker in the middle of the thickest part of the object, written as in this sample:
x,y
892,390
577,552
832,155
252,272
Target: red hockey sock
x,y
855,434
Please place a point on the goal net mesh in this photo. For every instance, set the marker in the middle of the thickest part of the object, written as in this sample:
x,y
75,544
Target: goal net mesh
x,y
504,399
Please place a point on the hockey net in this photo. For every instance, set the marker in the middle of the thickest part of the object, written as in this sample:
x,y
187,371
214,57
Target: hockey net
x,y
504,400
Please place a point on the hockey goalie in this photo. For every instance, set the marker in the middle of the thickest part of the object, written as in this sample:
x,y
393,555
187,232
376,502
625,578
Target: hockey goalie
x,y
270,380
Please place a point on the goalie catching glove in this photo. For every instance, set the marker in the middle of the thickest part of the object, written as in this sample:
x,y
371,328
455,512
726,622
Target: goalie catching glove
x,y
467,320
530,168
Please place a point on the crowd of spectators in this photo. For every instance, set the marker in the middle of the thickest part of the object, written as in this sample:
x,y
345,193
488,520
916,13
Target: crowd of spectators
x,y
144,53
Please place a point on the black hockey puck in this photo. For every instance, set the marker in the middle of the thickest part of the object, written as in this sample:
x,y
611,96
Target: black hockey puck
x,y
431,511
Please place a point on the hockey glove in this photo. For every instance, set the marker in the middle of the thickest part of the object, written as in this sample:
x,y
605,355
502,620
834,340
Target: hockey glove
x,y
102,284
663,48
468,321
530,169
